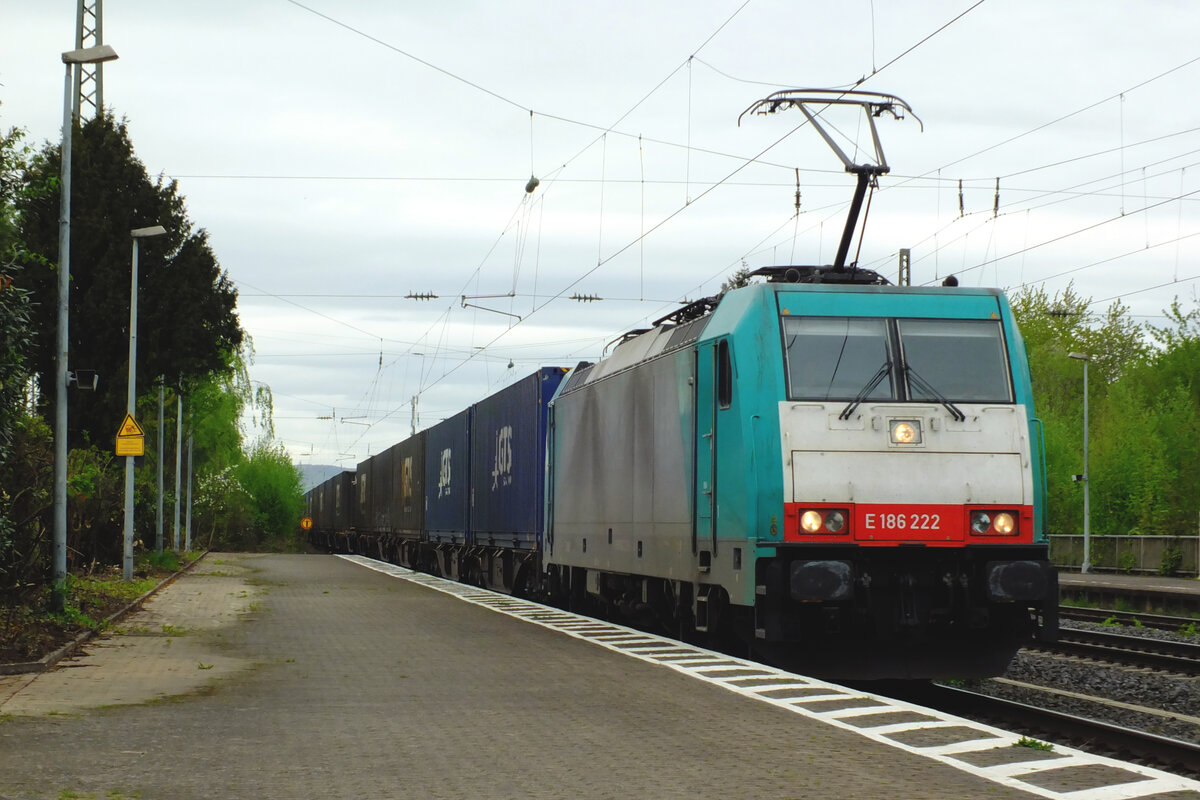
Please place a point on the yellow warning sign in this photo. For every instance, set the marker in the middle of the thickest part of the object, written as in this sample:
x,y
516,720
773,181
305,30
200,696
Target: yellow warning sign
x,y
130,427
131,439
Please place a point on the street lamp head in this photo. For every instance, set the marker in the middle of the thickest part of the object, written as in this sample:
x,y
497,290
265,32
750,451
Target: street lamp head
x,y
1080,356
143,233
90,55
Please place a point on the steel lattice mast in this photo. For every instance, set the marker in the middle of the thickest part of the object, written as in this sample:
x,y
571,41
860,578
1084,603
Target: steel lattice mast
x,y
89,80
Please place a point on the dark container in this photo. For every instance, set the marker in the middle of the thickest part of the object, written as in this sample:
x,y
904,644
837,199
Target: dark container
x,y
335,503
447,469
508,462
324,516
363,502
408,487
380,489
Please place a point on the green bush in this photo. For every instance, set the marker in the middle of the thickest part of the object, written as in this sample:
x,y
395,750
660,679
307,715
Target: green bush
x,y
1172,560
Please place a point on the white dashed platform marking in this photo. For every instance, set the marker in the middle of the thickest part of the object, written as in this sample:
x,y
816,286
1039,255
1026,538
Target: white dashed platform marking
x,y
830,703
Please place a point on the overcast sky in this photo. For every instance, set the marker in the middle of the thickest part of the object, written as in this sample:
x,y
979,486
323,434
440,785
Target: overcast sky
x,y
343,155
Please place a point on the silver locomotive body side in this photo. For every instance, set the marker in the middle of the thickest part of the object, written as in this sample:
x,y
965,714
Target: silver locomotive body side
x,y
621,451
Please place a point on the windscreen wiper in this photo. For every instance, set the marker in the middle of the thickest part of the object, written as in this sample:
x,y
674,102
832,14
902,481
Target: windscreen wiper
x,y
866,390
926,387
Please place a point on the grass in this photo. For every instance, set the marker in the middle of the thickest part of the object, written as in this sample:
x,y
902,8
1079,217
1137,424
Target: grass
x,y
1033,744
29,631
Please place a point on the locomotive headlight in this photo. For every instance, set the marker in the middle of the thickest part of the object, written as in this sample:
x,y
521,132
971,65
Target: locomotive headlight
x,y
905,431
824,521
993,523
810,521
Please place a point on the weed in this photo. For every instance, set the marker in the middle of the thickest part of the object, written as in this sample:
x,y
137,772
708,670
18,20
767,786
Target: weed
x,y
167,560
1189,629
1172,560
71,616
205,666
170,630
1111,622
1033,744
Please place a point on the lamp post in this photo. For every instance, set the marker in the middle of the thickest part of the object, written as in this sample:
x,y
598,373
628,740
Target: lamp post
x,y
1087,542
131,405
72,59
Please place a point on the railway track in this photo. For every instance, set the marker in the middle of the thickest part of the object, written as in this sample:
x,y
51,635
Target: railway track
x,y
1162,622
1136,651
1044,724
1055,708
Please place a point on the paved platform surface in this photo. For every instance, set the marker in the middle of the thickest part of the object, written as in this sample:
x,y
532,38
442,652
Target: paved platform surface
x,y
1158,583
309,676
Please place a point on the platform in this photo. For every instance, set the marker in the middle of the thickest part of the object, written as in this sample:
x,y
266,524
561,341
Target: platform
x,y
344,677
1121,592
1156,583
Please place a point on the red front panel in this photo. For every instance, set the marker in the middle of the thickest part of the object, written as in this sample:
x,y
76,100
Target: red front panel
x,y
935,524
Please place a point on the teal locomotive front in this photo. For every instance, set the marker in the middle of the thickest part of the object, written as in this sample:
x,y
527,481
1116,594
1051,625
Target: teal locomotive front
x,y
876,450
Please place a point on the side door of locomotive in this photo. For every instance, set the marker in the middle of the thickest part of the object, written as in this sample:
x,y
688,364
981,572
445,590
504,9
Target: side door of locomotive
x,y
713,390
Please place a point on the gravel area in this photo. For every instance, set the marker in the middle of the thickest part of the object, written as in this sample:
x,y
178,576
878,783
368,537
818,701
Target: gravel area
x,y
1168,692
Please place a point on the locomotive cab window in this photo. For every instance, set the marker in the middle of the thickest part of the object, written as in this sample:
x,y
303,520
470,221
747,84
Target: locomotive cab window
x,y
963,359
724,375
836,358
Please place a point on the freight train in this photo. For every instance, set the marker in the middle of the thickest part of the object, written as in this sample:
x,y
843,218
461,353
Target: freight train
x,y
841,476
844,475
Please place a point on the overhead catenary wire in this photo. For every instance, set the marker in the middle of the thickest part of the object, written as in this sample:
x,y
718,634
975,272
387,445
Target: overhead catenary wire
x,y
1079,231
703,44
641,239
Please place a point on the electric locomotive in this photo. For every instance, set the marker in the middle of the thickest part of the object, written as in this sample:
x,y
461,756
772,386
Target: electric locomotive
x,y
845,475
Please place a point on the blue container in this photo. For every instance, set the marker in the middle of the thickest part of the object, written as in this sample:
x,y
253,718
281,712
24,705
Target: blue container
x,y
508,462
447,470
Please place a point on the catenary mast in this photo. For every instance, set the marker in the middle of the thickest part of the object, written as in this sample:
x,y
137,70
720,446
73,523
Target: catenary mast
x,y
89,80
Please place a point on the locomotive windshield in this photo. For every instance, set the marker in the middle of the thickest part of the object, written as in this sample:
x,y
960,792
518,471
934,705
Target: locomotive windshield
x,y
832,358
840,358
